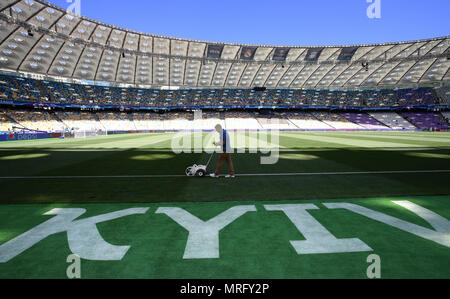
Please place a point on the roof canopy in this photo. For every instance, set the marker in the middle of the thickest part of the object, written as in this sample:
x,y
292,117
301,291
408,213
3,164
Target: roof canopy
x,y
38,37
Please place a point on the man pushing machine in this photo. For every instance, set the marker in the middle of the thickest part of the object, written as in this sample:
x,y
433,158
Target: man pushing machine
x,y
225,154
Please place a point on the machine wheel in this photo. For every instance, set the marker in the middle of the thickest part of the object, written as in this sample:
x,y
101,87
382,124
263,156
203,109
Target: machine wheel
x,y
200,173
188,171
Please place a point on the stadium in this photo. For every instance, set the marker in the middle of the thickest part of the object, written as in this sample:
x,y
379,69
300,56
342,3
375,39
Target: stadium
x,y
341,153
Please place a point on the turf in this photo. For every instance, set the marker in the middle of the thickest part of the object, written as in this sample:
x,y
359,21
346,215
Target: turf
x,y
133,155
254,246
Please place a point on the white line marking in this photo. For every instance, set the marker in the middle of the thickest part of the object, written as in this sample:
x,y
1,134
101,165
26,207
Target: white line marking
x,y
238,175
348,173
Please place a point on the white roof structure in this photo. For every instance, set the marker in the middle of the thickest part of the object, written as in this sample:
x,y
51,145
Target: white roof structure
x,y
38,37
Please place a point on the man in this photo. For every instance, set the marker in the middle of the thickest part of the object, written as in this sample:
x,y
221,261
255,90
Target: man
x,y
226,152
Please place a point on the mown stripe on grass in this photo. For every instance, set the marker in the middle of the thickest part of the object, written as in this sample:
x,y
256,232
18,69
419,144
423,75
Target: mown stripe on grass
x,y
417,138
349,142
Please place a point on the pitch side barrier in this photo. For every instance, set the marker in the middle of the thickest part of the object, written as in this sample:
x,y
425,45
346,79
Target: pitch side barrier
x,y
5,136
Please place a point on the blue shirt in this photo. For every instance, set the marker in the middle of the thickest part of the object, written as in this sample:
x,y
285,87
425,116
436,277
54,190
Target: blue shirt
x,y
225,139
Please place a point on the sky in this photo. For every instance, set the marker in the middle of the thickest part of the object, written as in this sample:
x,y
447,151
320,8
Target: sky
x,y
281,22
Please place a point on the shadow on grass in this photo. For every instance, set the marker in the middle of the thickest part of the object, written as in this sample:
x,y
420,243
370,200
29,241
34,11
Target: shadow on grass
x,y
142,162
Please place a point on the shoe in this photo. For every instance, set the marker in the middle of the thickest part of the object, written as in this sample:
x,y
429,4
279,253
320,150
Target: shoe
x,y
230,176
213,175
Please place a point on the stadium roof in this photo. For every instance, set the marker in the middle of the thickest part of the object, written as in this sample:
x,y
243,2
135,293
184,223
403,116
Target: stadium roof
x,y
38,37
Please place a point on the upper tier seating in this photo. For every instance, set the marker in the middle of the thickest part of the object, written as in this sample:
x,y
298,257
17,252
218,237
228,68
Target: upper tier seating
x,y
33,91
416,97
444,95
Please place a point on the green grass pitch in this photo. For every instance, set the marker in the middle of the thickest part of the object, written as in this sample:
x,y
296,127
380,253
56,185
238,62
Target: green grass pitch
x,y
108,174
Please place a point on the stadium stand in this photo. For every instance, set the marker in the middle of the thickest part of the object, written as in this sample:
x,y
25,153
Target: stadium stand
x,y
84,121
208,122
446,116
275,124
116,121
306,121
240,120
59,121
393,120
176,121
365,120
378,98
147,121
336,121
416,97
444,95
22,90
158,90
427,121
38,120
6,123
